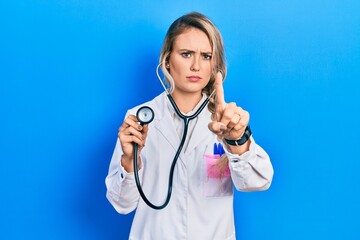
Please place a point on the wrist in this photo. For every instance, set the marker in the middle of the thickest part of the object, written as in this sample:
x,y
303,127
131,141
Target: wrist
x,y
127,164
238,149
241,141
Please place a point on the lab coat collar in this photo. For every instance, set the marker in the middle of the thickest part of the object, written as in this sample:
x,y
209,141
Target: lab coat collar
x,y
167,127
172,110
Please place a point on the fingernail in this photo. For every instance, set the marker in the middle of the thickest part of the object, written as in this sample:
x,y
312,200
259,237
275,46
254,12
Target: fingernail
x,y
222,127
139,127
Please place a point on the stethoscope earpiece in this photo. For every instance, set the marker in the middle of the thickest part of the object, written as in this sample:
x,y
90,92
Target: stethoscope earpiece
x,y
145,115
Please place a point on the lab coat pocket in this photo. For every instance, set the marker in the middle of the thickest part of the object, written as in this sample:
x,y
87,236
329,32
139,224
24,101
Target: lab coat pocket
x,y
217,180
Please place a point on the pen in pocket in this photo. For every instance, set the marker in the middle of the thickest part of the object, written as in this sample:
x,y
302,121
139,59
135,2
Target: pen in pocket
x,y
218,149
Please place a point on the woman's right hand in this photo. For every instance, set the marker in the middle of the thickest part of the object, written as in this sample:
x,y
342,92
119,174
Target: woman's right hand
x,y
131,132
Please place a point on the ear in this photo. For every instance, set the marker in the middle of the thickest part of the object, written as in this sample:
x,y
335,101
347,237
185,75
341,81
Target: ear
x,y
167,64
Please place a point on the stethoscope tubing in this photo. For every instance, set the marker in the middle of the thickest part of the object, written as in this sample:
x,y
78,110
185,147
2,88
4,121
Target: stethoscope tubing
x,y
186,120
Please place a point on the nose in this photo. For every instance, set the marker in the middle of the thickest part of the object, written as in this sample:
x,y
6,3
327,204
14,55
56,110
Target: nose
x,y
195,66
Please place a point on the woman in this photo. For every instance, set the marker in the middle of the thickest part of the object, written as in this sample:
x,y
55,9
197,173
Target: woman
x,y
201,205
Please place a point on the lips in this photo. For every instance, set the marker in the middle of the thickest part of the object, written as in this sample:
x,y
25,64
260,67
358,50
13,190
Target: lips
x,y
194,78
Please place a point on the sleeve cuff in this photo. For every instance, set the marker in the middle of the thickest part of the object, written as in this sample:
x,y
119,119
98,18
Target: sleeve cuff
x,y
126,176
245,157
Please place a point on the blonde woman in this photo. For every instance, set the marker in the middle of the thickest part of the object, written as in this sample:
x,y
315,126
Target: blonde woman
x,y
201,205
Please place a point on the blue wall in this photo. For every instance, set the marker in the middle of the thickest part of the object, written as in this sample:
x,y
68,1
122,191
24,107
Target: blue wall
x,y
70,69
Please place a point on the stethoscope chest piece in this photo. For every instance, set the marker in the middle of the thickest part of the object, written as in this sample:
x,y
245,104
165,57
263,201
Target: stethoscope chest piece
x,y
145,115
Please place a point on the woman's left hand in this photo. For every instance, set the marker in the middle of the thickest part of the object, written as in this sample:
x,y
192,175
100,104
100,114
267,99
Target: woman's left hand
x,y
229,120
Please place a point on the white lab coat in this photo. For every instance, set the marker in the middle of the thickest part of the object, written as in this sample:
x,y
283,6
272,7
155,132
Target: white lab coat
x,y
200,208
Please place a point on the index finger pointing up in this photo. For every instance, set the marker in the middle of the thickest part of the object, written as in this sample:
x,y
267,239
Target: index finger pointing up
x,y
219,99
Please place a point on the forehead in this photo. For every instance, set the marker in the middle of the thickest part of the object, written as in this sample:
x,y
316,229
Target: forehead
x,y
193,39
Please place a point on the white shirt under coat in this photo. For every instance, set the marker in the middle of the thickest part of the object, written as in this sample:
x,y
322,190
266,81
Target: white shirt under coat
x,y
199,208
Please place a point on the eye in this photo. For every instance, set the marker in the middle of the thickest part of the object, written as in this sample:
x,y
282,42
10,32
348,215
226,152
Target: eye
x,y
207,56
186,54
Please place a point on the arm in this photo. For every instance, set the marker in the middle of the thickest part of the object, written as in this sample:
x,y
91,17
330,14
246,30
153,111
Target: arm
x,y
121,188
249,164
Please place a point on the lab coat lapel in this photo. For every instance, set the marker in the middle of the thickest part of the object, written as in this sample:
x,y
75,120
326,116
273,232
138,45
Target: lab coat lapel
x,y
201,131
166,127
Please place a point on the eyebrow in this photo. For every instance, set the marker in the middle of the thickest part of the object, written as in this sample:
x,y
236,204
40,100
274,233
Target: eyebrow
x,y
192,51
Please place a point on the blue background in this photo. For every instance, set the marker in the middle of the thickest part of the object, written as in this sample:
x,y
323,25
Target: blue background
x,y
70,69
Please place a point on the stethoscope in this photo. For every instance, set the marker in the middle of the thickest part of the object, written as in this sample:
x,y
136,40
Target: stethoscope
x,y
145,115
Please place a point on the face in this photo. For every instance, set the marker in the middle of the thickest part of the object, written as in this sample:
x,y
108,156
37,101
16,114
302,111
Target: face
x,y
190,62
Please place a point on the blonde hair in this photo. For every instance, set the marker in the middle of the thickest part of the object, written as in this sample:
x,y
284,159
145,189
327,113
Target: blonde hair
x,y
201,22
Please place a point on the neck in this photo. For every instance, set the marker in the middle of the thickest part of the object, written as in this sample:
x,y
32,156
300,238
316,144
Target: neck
x,y
186,102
